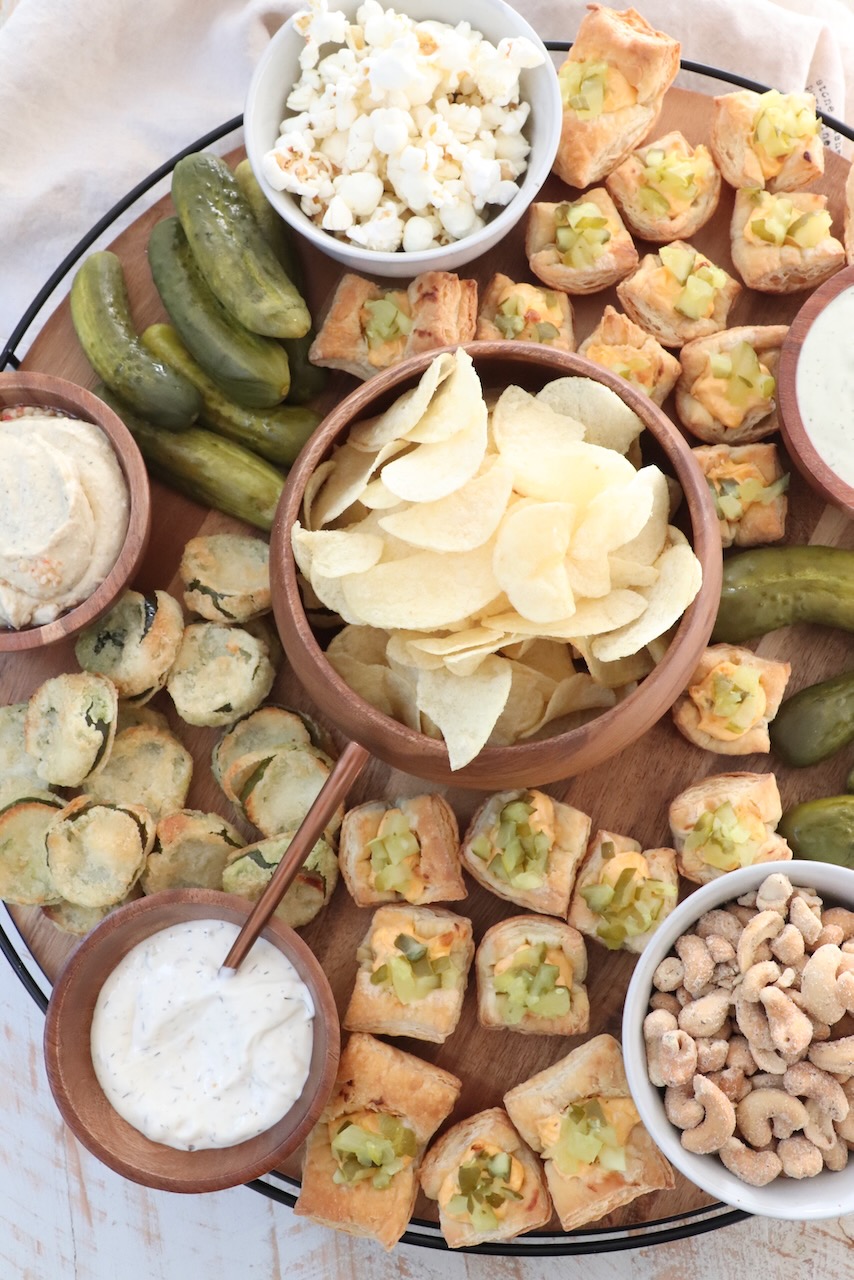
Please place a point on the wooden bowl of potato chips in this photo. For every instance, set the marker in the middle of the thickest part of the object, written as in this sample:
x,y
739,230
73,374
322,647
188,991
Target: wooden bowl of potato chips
x,y
495,566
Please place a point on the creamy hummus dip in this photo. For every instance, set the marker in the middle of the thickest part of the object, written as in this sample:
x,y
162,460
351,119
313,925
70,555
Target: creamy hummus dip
x,y
64,510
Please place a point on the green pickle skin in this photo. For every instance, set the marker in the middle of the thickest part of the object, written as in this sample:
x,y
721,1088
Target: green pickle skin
x,y
815,722
821,830
770,587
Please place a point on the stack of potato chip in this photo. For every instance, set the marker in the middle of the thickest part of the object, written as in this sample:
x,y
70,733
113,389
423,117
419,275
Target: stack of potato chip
x,y
478,552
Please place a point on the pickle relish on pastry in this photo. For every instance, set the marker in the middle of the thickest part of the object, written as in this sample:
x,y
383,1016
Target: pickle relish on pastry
x,y
480,1188
370,1144
627,897
587,1132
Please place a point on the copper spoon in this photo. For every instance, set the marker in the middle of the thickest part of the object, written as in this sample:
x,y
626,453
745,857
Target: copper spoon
x,y
347,768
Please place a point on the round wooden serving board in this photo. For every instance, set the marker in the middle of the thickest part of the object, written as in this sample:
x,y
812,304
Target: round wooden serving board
x,y
630,794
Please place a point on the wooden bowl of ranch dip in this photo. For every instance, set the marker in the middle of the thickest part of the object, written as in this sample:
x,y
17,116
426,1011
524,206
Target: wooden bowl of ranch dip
x,y
75,509
178,1075
816,390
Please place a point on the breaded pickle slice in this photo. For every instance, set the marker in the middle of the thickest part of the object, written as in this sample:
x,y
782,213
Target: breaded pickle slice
x,y
147,766
220,674
226,576
70,725
18,775
275,790
77,920
134,644
24,875
266,729
249,870
96,852
190,851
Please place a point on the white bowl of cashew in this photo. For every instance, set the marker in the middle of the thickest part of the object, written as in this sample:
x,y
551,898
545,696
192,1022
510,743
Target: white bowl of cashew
x,y
827,1194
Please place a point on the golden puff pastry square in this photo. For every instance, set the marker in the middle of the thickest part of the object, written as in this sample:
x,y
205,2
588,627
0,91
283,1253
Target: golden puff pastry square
x,y
579,246
413,969
530,977
783,243
366,328
728,386
426,870
623,892
679,294
612,86
726,822
733,696
748,486
398,1102
769,140
667,189
585,1091
545,841
480,1161
622,346
522,312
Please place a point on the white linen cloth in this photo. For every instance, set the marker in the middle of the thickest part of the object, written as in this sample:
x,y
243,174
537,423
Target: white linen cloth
x,y
95,94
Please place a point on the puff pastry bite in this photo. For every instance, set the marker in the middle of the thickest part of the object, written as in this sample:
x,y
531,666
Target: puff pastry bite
x,y
412,975
361,1164
578,1115
623,892
622,346
525,847
367,328
769,140
678,294
726,822
782,243
488,1182
523,312
406,851
727,388
732,697
667,189
612,86
581,245
530,977
749,486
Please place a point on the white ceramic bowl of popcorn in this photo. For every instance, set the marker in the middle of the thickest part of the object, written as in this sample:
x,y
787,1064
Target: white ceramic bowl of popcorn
x,y
828,1194
418,171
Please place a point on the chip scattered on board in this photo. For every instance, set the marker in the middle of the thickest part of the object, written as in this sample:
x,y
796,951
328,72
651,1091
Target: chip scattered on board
x,y
471,556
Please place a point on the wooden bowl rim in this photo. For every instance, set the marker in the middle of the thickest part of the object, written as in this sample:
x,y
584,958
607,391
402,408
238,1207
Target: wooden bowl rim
x,y
41,390
547,759
236,1164
812,466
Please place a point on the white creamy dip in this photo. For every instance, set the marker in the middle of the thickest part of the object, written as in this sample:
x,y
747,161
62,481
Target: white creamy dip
x,y
64,510
196,1057
825,385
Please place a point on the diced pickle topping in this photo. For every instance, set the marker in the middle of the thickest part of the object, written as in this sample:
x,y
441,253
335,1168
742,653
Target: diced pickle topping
x,y
486,1182
731,695
386,321
699,278
669,181
531,985
395,853
748,382
733,497
725,839
410,970
377,1148
518,851
586,1138
582,87
629,905
779,124
581,233
778,221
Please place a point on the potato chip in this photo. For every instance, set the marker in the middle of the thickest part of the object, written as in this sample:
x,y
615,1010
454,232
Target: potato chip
x,y
608,421
369,680
406,412
550,658
351,472
432,471
458,400
461,521
629,573
313,485
525,705
568,472
376,496
578,692
331,594
615,674
646,546
679,579
529,564
366,644
517,410
465,709
616,515
424,591
591,617
335,552
400,652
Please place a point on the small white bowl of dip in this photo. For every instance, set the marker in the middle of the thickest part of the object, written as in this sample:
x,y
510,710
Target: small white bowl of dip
x,y
115,994
816,390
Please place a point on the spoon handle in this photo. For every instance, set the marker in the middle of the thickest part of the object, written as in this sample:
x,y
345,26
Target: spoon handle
x,y
347,768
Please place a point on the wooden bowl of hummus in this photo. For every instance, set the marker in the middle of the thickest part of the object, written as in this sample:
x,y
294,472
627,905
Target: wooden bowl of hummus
x,y
75,509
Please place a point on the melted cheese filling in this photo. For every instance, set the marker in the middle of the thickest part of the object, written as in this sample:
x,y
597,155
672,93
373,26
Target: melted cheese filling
x,y
712,393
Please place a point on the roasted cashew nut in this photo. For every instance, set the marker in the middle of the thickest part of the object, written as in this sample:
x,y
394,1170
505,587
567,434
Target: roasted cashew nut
x,y
819,1127
677,1057
682,1108
835,1056
697,962
831,935
788,946
791,1030
721,923
758,977
800,1158
654,1026
721,950
774,893
712,1054
804,1080
768,1060
836,1157
804,920
705,1016
764,927
845,989
667,1001
669,975
820,1030
767,1080
818,984
739,1055
757,1168
841,918
767,1113
733,1082
718,1121
752,1022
